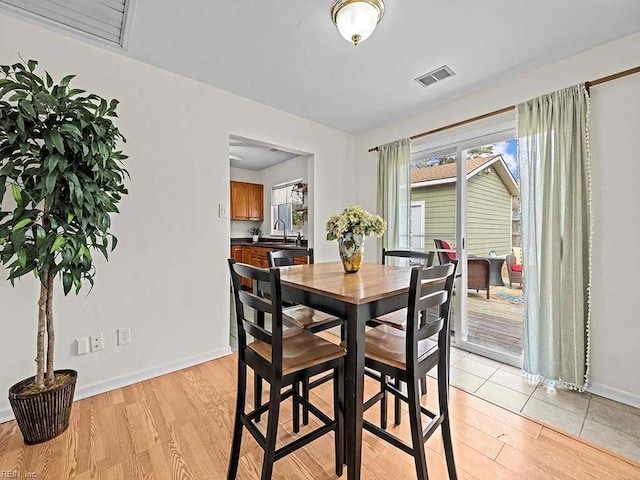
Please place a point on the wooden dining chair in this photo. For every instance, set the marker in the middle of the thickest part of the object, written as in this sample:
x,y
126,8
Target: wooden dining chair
x,y
408,355
283,358
398,319
302,316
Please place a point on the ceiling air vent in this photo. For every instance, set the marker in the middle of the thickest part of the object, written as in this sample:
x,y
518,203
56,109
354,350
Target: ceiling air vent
x,y
104,19
435,76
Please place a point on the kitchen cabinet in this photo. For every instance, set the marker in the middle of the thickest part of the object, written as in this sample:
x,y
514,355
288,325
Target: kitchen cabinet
x,y
257,256
241,254
247,201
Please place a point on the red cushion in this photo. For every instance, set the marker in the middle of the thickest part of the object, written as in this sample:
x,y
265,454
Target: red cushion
x,y
516,268
446,246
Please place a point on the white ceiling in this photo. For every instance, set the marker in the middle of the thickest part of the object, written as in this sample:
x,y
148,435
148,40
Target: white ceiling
x,y
288,54
254,155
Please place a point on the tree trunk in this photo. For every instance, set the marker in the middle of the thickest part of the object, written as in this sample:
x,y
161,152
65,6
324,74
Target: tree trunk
x,y
50,331
42,320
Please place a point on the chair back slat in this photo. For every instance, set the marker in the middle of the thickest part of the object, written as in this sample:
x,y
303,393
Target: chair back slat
x,y
414,257
263,280
286,257
430,291
256,331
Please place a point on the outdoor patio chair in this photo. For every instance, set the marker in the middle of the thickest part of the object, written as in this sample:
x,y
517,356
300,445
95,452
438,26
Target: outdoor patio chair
x,y
478,269
514,270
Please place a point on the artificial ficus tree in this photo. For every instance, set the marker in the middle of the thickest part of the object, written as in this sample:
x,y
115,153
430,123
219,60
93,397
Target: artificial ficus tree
x,y
61,178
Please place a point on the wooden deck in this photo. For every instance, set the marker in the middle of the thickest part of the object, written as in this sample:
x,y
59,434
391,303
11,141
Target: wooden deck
x,y
495,323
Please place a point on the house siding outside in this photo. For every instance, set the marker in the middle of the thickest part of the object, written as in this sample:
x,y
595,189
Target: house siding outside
x,y
488,214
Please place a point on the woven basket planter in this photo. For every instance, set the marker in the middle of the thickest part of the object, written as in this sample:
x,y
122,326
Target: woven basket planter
x,y
43,415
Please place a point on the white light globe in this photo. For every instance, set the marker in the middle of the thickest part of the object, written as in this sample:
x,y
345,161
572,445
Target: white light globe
x,y
357,21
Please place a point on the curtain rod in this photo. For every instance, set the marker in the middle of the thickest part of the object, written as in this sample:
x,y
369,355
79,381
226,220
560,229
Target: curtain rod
x,y
592,83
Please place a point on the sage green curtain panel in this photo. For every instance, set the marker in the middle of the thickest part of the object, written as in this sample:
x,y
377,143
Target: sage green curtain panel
x,y
394,193
553,151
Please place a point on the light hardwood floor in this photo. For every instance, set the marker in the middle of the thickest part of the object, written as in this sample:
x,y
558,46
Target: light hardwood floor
x,y
178,426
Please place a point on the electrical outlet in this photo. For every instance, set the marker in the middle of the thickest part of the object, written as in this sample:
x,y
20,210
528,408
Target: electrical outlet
x,y
222,211
82,346
124,336
97,342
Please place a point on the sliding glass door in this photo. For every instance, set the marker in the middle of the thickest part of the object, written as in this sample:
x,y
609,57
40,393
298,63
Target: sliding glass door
x,y
467,194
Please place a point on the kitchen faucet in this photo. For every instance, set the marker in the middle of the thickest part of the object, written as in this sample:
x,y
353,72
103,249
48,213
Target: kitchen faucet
x,y
284,228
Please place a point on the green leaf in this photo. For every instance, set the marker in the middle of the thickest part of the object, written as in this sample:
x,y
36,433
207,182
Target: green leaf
x,y
114,242
70,218
50,182
51,161
85,251
27,107
3,187
65,81
57,244
22,257
56,138
67,282
71,128
49,79
40,235
32,65
17,194
21,224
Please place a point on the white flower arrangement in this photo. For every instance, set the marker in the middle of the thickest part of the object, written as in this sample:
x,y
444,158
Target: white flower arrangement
x,y
356,220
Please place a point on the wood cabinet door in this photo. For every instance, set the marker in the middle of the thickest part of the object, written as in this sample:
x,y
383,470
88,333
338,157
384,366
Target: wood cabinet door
x,y
239,201
256,202
237,253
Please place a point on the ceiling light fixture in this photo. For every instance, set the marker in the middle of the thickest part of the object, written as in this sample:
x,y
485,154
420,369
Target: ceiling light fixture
x,y
357,19
237,158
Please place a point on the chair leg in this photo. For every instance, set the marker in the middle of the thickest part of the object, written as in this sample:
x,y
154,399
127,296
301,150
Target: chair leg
x,y
396,405
415,421
237,424
443,400
272,430
295,405
423,385
383,402
305,395
257,393
338,411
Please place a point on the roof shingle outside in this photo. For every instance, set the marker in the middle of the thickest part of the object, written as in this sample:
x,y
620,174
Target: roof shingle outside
x,y
448,170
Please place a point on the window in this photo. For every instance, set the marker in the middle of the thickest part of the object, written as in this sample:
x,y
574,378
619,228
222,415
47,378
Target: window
x,y
284,208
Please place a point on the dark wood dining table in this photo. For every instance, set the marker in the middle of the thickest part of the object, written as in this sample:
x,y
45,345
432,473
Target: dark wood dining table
x,y
356,297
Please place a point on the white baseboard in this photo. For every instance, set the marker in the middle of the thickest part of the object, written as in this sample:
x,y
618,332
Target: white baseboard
x,y
85,391
615,394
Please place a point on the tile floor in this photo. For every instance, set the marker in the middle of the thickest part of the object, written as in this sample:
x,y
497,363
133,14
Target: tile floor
x,y
607,423
604,422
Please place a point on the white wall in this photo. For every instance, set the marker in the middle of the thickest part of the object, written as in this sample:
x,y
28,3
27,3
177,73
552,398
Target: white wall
x,y
168,277
615,123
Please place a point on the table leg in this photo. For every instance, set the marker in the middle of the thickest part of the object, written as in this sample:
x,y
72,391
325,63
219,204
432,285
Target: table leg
x,y
354,388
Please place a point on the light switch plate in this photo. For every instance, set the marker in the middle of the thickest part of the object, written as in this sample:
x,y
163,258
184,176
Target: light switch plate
x,y
82,346
222,211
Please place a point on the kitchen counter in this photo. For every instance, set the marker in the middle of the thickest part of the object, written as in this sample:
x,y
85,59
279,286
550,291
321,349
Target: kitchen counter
x,y
268,243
